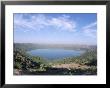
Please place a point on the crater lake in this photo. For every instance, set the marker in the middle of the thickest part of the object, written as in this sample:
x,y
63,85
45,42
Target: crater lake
x,y
52,54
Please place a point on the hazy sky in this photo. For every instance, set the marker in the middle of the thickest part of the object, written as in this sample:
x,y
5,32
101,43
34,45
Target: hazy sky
x,y
55,28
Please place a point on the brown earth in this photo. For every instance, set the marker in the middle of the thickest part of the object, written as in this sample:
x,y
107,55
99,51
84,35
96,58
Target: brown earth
x,y
71,65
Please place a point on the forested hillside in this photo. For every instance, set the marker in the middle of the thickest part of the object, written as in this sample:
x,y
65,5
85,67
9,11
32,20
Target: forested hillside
x,y
24,64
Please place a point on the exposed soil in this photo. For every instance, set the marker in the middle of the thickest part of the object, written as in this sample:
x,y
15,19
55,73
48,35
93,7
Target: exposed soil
x,y
60,69
72,65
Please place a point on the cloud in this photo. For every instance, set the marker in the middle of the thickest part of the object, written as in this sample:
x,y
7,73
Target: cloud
x,y
90,25
90,30
63,23
90,33
41,21
32,23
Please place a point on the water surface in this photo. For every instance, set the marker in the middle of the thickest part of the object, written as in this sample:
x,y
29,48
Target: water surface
x,y
55,53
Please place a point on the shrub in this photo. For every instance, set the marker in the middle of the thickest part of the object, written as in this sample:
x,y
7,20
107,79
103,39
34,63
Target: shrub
x,y
17,66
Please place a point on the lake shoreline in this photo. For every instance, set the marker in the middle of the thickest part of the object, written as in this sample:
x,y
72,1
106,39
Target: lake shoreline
x,y
58,54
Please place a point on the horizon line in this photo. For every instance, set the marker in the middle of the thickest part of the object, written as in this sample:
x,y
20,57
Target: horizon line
x,y
56,43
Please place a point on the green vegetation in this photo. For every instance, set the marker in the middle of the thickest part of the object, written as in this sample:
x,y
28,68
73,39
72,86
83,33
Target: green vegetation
x,y
24,64
89,58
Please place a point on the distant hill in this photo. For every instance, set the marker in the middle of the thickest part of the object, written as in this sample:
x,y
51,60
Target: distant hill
x,y
31,46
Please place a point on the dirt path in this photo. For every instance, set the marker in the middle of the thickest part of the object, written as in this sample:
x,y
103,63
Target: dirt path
x,y
72,65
